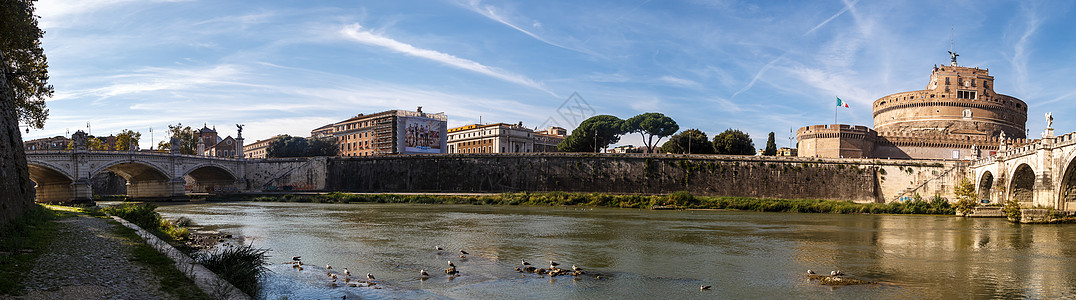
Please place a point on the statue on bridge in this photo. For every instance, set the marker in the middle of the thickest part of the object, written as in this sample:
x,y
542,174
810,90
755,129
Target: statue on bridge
x,y
80,140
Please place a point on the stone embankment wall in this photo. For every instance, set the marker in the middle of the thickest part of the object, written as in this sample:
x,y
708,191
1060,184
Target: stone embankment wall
x,y
860,180
16,189
286,174
771,177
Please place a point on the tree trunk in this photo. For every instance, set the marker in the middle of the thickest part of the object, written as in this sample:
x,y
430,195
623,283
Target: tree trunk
x,y
16,189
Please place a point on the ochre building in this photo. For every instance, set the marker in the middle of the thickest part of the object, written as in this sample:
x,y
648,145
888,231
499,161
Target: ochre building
x,y
957,116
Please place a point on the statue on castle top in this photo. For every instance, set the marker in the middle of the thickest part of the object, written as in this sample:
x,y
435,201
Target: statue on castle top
x,y
1049,120
240,130
1002,135
952,57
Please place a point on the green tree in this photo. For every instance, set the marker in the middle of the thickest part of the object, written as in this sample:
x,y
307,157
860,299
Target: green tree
x,y
733,142
691,141
127,140
23,66
771,146
965,195
650,125
293,146
593,134
188,139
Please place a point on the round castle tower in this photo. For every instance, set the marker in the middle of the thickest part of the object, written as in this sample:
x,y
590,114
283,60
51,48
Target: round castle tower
x,y
957,116
957,101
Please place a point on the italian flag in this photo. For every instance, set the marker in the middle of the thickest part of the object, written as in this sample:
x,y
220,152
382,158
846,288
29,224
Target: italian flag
x,y
841,102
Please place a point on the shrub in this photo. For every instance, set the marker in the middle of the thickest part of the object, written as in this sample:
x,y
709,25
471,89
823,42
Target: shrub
x,y
242,266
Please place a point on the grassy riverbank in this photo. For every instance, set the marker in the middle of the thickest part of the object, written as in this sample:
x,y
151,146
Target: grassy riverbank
x,y
22,242
240,266
680,200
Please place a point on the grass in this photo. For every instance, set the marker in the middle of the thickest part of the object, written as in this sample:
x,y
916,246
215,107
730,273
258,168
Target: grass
x,y
22,242
172,281
242,266
683,200
146,217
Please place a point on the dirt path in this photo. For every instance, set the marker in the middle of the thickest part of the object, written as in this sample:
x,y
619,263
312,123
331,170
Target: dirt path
x,y
88,261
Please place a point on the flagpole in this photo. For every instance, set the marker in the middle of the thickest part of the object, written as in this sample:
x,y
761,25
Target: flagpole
x,y
835,113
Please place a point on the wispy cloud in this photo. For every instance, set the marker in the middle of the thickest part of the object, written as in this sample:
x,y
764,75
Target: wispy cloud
x,y
491,12
678,81
758,75
1021,49
356,33
847,6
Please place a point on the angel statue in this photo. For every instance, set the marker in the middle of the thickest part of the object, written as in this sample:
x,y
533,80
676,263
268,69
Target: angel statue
x,y
1049,120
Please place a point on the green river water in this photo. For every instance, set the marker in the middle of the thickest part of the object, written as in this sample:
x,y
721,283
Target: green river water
x,y
643,254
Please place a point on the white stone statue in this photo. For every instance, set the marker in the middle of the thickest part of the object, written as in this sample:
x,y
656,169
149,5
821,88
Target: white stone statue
x,y
1049,120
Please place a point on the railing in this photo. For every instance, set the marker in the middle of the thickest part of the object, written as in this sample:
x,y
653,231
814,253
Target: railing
x,y
140,153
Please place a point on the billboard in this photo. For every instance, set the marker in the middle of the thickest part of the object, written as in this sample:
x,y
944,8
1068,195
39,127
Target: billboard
x,y
422,135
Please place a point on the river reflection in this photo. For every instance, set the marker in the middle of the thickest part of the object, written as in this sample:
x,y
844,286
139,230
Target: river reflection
x,y
642,253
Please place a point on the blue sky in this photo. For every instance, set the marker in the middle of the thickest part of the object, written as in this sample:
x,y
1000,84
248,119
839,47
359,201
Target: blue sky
x,y
759,66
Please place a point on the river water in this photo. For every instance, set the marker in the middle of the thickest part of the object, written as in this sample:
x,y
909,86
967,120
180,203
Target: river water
x,y
642,254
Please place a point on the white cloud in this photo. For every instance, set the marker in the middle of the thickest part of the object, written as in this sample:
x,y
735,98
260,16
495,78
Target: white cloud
x,y
355,33
678,81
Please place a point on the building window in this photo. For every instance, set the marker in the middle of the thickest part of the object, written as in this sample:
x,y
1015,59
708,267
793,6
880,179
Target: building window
x,y
965,94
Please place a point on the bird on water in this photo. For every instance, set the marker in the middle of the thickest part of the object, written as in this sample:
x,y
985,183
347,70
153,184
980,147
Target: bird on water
x,y
450,264
524,262
423,273
463,252
369,276
705,287
574,268
810,272
347,272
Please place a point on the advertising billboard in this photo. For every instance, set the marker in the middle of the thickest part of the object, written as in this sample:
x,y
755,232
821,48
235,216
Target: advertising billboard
x,y
422,135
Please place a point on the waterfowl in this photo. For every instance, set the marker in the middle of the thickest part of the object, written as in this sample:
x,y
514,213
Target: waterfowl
x,y
809,271
369,276
347,272
524,262
463,252
439,248
705,287
450,264
423,273
574,268
553,264
296,258
328,267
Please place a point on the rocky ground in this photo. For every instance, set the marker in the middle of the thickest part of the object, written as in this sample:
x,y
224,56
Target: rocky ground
x,y
89,261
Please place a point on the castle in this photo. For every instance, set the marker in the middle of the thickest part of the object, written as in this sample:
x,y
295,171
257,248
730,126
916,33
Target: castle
x,y
957,116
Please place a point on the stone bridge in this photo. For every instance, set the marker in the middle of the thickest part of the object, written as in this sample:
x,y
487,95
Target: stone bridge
x,y
1036,174
65,175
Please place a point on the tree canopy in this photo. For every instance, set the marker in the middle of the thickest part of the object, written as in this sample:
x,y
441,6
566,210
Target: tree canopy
x,y
127,140
733,142
23,66
965,195
188,139
293,146
691,141
593,134
771,146
650,125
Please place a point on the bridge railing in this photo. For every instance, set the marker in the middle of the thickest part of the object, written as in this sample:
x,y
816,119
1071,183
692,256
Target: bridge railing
x,y
141,153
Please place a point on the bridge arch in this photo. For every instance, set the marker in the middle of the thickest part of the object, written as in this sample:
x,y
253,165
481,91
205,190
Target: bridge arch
x,y
1066,192
144,180
1022,185
986,182
52,184
210,178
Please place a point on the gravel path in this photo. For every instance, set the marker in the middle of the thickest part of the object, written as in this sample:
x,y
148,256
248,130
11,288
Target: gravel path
x,y
88,261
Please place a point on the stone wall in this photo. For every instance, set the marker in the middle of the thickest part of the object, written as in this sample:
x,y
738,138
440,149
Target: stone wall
x,y
636,174
16,189
860,180
286,174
